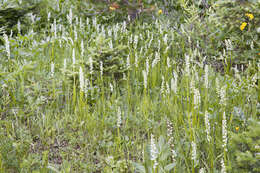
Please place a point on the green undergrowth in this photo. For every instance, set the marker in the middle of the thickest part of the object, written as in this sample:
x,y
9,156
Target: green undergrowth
x,y
166,93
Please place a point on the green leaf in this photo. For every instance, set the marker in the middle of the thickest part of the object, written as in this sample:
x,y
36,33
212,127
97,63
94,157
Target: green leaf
x,y
140,168
170,166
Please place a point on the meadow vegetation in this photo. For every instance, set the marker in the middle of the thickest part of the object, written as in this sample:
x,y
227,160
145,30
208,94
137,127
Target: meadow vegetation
x,y
146,86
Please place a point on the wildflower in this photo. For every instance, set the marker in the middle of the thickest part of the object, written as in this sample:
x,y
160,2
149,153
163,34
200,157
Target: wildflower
x,y
258,31
128,62
101,68
7,45
237,128
111,87
135,41
65,64
228,44
168,62
196,98
223,166
162,86
81,79
224,132
242,26
52,69
156,60
174,81
206,77
250,16
153,151
170,142
82,48
70,17
194,151
218,87
187,65
119,121
207,124
202,170
223,98
160,11
147,66
19,26
136,60
114,6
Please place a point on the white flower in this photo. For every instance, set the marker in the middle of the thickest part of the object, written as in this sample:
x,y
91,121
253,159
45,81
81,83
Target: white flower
x,y
223,167
65,64
153,152
171,142
119,121
55,28
207,124
162,86
194,152
101,68
82,48
217,87
7,45
135,41
49,16
128,62
174,82
111,87
196,98
147,65
73,57
187,65
111,44
228,44
156,60
168,62
206,77
136,60
202,170
81,80
70,17
223,98
224,132
19,26
258,30
52,69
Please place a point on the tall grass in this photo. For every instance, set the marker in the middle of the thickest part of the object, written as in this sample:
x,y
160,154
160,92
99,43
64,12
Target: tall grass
x,y
90,97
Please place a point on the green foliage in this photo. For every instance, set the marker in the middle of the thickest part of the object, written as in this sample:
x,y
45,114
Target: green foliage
x,y
84,88
163,154
245,146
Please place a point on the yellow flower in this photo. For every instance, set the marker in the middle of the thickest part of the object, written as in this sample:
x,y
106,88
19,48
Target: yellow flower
x,y
112,8
242,26
160,11
237,128
250,16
